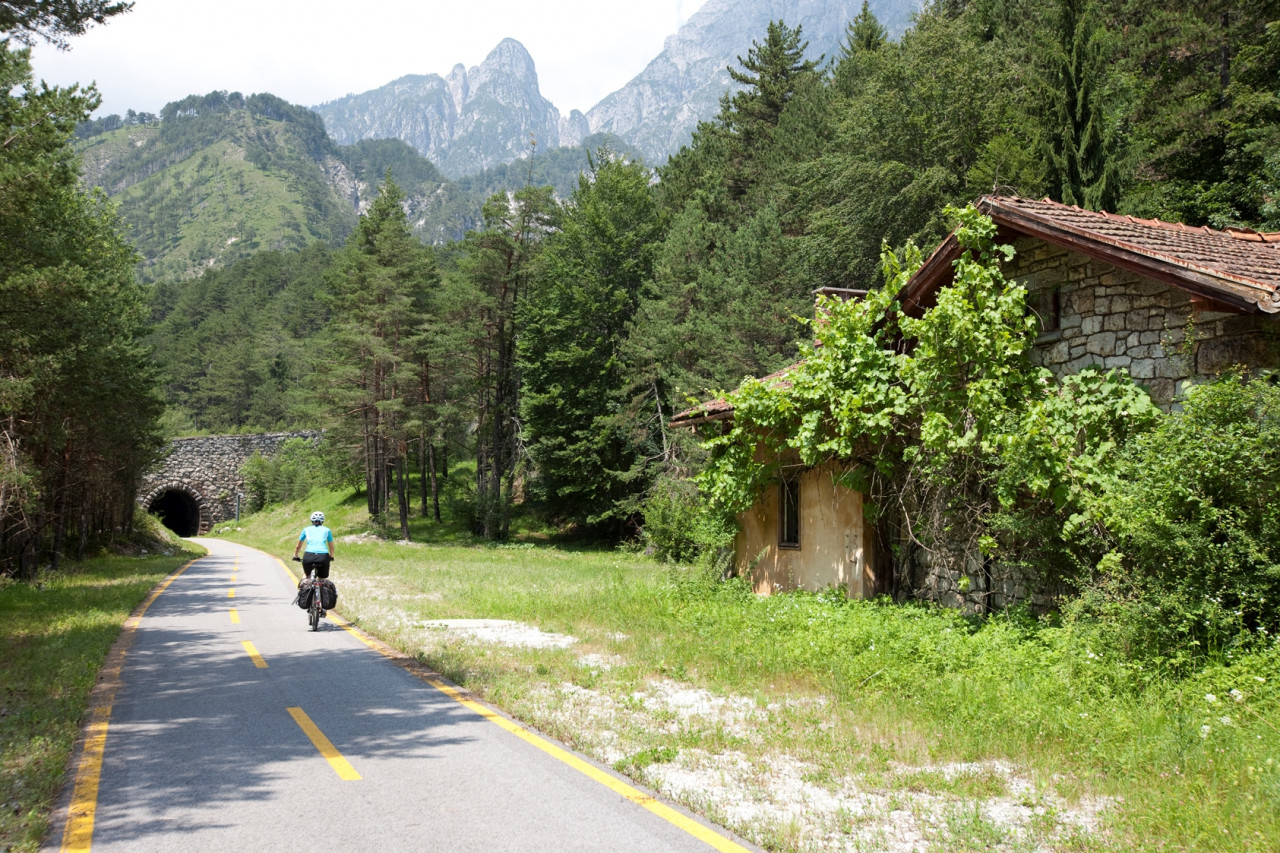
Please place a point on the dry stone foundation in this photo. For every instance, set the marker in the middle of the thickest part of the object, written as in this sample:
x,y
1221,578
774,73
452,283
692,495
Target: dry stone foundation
x,y
199,481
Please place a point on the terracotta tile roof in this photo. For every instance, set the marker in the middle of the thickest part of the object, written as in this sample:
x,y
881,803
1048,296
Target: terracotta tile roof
x,y
719,408
1237,268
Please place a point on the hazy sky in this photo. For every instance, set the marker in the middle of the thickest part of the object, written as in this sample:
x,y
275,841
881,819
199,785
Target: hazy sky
x,y
311,51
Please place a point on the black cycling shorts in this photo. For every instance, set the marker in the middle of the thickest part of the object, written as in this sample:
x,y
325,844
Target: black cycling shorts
x,y
320,561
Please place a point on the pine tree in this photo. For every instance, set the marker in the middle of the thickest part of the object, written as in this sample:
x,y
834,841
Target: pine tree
x,y
772,73
78,403
1082,156
591,273
498,262
864,37
379,284
865,33
55,20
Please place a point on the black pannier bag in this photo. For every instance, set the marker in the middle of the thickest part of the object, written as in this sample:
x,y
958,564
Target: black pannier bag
x,y
304,595
328,595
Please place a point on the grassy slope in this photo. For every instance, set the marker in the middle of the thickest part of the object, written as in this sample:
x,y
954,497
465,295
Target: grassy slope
x,y
247,183
54,638
1190,767
223,208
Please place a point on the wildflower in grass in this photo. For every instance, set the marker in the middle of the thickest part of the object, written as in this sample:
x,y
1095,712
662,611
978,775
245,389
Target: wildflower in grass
x,y
1204,732
1210,698
1236,695
1226,721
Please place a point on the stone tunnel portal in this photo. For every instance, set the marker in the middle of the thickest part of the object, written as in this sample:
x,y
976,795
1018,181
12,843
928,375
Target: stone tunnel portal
x,y
178,511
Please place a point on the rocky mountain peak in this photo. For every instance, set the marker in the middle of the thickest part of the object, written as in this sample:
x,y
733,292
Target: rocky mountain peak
x,y
484,115
470,120
658,110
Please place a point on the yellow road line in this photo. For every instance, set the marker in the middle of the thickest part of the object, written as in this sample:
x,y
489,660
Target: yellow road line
x,y
235,616
231,593
253,653
340,765
77,835
635,795
662,810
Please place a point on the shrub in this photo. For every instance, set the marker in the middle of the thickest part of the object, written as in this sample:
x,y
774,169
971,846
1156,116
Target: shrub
x,y
1193,518
680,527
290,473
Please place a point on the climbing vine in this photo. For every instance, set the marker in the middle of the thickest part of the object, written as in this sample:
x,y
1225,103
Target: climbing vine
x,y
942,420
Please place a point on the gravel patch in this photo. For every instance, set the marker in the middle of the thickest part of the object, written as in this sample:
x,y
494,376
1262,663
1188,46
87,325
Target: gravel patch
x,y
502,632
720,755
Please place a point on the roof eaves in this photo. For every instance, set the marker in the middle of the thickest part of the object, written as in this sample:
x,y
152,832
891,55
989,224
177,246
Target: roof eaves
x,y
1235,291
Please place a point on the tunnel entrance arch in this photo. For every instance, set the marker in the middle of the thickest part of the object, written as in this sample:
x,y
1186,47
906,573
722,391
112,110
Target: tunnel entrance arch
x,y
208,470
180,508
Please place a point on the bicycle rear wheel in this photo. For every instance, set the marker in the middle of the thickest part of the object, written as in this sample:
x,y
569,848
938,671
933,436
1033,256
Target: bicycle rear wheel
x,y
315,610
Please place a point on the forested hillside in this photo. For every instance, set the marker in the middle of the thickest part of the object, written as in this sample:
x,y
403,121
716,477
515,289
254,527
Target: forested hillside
x,y
217,177
564,333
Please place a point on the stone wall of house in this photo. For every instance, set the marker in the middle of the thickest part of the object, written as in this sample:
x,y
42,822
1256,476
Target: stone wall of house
x,y
1108,317
1113,318
208,470
966,581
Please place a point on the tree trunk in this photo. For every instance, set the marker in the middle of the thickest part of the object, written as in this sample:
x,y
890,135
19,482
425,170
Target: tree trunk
x,y
423,464
435,483
402,495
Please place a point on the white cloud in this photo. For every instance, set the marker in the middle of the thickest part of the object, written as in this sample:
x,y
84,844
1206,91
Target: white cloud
x,y
310,51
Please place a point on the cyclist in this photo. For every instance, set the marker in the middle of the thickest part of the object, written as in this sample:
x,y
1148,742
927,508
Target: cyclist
x,y
319,542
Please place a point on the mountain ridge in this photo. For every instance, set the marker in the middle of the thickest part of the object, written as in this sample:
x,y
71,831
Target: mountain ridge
x,y
474,119
465,122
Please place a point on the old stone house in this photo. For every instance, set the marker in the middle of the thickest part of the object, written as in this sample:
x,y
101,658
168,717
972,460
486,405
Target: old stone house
x,y
1109,290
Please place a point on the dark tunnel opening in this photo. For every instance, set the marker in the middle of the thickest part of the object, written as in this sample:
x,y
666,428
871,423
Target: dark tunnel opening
x,y
178,511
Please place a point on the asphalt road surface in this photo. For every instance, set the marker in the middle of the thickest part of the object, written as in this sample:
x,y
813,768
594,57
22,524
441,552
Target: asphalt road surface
x,y
233,727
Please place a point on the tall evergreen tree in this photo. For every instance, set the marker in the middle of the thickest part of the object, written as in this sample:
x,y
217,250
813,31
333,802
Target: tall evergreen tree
x,y
572,369
771,74
864,34
1206,109
379,284
864,37
498,262
78,405
1081,153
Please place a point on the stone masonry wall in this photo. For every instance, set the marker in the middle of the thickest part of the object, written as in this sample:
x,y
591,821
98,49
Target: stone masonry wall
x,y
1111,318
209,469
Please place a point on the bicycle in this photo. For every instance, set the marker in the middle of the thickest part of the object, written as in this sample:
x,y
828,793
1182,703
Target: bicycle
x,y
315,608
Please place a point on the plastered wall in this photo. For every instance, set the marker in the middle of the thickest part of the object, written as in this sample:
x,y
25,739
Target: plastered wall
x,y
836,543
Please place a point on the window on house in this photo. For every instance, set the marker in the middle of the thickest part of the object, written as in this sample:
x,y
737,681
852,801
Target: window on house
x,y
789,513
1047,306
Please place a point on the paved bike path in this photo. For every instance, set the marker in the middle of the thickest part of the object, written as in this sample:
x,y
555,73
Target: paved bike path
x,y
203,752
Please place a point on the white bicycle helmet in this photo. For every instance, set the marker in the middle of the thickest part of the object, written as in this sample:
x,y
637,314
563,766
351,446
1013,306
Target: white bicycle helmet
x,y
317,518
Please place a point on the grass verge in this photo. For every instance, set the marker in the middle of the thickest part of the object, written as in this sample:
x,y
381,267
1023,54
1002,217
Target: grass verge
x,y
54,637
1005,733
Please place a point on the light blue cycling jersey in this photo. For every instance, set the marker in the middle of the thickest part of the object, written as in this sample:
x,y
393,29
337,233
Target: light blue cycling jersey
x,y
317,537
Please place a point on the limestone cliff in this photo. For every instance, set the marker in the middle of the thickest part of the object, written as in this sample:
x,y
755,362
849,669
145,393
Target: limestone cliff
x,y
468,121
659,109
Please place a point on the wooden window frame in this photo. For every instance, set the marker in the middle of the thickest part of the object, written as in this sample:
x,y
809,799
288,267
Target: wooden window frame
x,y
789,498
1047,307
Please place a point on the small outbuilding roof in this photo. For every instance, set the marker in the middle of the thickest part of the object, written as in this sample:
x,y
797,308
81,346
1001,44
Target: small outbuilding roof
x,y
719,408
